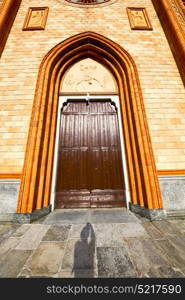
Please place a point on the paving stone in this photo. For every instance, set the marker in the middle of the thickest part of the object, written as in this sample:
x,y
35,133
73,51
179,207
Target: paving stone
x,y
7,230
109,235
73,248
142,219
40,220
84,273
179,224
45,261
163,272
165,227
169,272
152,231
113,234
145,256
22,275
79,254
178,242
171,253
78,274
65,274
152,273
133,230
22,230
81,231
57,233
114,262
7,245
113,216
32,237
60,217
11,265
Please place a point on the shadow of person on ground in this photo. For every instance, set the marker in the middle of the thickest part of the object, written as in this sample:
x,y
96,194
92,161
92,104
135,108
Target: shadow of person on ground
x,y
84,252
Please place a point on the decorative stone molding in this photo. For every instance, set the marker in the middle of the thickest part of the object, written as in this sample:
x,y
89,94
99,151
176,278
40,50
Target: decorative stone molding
x,y
171,172
138,18
173,30
10,176
92,78
179,12
36,18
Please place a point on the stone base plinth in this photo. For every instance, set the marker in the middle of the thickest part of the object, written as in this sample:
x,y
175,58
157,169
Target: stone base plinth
x,y
30,217
9,189
173,193
152,214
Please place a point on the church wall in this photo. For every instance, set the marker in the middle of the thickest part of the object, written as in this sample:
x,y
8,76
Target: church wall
x,y
161,83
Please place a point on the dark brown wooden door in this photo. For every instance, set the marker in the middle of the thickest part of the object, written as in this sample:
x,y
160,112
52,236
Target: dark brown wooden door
x,y
89,170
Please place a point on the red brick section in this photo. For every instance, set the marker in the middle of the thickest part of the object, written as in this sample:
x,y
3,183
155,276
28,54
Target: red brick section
x,y
8,13
173,31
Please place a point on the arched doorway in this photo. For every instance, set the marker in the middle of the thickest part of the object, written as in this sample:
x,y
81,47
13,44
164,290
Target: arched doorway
x,y
89,161
37,173
89,172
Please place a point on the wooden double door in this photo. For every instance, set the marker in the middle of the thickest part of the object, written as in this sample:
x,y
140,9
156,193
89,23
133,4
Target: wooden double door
x,y
89,172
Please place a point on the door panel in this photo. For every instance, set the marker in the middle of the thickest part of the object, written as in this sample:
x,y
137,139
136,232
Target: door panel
x,y
89,161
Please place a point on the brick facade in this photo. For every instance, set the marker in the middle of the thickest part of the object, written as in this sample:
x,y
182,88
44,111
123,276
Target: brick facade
x,y
161,84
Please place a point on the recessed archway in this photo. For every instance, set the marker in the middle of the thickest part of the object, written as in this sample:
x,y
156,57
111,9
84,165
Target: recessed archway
x,y
37,173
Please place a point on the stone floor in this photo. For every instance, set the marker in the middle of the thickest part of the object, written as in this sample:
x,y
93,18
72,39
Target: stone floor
x,y
93,243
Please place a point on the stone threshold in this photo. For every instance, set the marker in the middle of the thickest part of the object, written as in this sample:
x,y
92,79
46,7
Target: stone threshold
x,y
150,214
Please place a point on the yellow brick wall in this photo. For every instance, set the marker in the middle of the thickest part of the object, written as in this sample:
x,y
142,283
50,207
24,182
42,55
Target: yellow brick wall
x,y
163,91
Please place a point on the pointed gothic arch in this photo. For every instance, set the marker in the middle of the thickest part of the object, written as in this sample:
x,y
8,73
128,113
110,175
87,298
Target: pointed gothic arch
x,y
37,172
